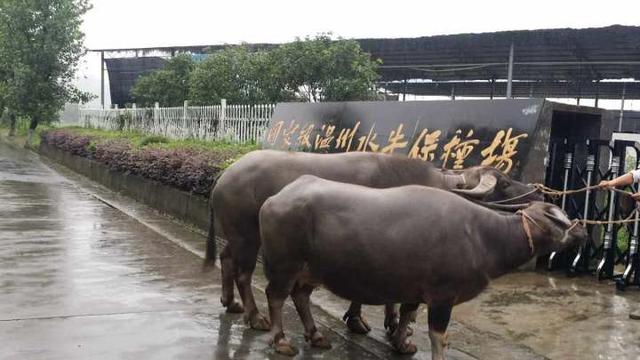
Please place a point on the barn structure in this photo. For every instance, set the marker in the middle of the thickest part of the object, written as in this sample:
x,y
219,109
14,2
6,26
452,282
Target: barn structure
x,y
592,63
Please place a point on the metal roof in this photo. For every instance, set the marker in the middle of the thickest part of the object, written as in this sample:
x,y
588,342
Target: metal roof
x,y
554,54
539,89
550,62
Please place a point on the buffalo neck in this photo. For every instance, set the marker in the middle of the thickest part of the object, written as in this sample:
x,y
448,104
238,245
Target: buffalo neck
x,y
400,171
505,243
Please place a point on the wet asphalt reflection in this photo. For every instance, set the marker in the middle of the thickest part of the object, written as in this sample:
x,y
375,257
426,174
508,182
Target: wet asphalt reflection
x,y
81,280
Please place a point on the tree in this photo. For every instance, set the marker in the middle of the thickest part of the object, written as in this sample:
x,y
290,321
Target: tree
x,y
40,50
239,75
318,69
322,69
168,86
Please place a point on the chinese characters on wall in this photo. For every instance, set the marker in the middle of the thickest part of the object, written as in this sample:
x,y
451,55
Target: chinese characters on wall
x,y
429,145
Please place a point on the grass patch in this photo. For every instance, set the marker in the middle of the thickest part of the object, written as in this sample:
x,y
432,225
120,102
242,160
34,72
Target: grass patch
x,y
139,140
22,132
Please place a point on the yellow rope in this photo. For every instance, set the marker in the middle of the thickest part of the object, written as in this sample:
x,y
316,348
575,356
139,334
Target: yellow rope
x,y
557,193
629,219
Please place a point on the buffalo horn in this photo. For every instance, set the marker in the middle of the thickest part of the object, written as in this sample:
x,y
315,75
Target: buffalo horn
x,y
485,186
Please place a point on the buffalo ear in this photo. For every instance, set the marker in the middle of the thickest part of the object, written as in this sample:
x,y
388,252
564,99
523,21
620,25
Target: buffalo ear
x,y
486,186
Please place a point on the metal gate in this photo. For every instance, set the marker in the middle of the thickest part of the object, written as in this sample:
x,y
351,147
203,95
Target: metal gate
x,y
575,164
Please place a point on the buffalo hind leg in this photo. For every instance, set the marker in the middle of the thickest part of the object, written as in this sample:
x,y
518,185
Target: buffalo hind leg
x,y
400,337
439,316
277,292
355,321
228,278
300,297
246,264
391,319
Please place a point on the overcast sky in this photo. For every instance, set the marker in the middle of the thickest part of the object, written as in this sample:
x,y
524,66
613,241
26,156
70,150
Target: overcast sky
x,y
146,23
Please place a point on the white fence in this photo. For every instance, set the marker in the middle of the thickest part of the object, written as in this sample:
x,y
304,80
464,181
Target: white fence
x,y
238,123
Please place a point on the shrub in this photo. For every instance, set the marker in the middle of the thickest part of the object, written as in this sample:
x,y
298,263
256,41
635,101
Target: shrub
x,y
185,165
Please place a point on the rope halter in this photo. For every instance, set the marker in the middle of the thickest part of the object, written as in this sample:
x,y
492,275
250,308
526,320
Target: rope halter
x,y
526,218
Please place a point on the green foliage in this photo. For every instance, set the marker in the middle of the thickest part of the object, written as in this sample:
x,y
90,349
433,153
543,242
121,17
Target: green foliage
x,y
153,139
139,140
312,69
169,86
40,46
321,69
238,75
623,238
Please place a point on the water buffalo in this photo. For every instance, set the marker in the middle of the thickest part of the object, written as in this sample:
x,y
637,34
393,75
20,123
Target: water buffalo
x,y
241,190
409,245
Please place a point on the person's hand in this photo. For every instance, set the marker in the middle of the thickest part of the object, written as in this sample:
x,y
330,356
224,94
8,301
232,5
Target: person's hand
x,y
604,184
636,196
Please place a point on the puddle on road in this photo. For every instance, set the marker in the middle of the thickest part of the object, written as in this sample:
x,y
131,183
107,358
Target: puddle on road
x,y
559,317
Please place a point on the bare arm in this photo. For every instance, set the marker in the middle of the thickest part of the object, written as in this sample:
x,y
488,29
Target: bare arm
x,y
623,180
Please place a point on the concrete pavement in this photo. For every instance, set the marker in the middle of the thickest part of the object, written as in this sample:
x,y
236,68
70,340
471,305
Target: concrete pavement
x,y
82,280
86,273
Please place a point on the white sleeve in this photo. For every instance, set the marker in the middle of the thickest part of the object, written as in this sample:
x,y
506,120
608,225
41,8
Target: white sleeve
x,y
636,175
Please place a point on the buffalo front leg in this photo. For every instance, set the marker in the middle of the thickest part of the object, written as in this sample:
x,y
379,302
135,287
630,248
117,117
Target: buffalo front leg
x,y
354,319
300,296
439,316
400,337
246,265
277,292
228,277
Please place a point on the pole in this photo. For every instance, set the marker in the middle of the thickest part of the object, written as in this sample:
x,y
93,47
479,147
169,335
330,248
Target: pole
x,y
493,88
404,92
510,73
624,91
581,261
605,266
568,165
102,78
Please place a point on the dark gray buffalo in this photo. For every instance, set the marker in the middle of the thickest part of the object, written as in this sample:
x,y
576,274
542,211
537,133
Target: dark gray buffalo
x,y
409,245
242,189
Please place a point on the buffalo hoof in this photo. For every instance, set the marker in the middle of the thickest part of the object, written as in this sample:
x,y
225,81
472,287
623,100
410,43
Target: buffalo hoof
x,y
284,347
358,325
392,326
258,322
235,308
318,340
409,331
404,347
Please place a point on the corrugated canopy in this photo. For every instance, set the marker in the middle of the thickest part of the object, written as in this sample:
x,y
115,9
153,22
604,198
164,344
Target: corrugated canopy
x,y
123,73
557,55
552,62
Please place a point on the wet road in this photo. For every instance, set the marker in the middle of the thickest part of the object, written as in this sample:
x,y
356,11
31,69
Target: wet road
x,y
87,273
80,279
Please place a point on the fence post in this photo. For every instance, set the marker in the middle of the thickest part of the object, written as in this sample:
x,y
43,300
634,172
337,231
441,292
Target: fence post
x,y
156,118
156,112
223,111
184,118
